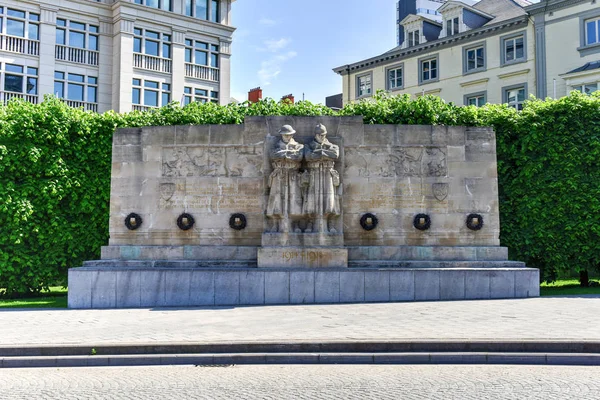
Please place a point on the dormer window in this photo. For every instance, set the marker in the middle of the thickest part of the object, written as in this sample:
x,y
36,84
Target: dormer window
x,y
413,38
452,26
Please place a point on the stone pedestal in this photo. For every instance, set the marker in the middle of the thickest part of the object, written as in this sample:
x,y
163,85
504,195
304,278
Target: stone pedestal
x,y
302,257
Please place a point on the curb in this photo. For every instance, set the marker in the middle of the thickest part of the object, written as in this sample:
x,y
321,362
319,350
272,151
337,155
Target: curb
x,y
296,347
228,359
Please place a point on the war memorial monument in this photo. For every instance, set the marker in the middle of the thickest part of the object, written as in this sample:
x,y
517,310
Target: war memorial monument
x,y
289,210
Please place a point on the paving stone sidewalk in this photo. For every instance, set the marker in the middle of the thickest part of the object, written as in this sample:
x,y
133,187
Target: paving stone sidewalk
x,y
575,318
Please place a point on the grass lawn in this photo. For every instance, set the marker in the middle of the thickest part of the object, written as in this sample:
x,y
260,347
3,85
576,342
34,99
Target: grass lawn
x,y
565,287
55,298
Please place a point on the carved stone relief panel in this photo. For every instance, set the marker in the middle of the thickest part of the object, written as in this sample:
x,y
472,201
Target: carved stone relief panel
x,y
400,161
225,161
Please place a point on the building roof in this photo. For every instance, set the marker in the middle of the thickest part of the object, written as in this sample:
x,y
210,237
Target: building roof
x,y
502,10
550,5
416,17
464,5
586,67
505,13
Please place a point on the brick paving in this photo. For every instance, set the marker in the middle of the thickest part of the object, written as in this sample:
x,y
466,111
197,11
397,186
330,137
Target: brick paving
x,y
303,382
525,319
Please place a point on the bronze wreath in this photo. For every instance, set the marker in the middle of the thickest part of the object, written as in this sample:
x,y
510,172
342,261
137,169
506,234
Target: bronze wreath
x,y
187,224
369,226
422,226
237,221
133,221
472,226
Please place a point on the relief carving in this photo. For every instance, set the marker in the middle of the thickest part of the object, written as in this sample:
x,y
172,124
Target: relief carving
x,y
285,196
398,162
322,201
199,161
440,191
167,190
304,185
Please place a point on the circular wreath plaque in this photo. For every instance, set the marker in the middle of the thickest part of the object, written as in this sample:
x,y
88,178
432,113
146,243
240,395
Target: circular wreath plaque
x,y
474,222
422,222
237,222
185,222
133,221
369,222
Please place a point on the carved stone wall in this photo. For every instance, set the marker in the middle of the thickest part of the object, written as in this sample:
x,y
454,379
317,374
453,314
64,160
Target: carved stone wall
x,y
393,172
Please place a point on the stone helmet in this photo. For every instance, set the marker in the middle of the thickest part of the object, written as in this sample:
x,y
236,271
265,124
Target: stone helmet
x,y
286,130
320,130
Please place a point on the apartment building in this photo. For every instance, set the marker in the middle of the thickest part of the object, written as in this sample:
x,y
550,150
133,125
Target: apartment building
x,y
476,54
567,36
120,55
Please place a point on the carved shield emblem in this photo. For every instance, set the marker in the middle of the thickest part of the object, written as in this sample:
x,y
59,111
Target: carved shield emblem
x,y
167,190
440,191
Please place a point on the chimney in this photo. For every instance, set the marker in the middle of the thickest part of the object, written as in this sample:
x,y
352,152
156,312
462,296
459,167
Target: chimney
x,y
255,95
288,98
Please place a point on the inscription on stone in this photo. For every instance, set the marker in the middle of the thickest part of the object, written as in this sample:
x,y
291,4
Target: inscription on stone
x,y
305,256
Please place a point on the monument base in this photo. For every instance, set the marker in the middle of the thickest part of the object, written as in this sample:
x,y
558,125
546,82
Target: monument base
x,y
118,286
302,257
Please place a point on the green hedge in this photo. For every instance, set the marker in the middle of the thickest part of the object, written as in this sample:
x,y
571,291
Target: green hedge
x,y
55,175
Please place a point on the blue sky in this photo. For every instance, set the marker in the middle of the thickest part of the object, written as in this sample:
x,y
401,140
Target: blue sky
x,y
291,46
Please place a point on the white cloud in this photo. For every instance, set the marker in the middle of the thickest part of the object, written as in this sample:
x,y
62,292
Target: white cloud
x,y
267,21
274,45
272,67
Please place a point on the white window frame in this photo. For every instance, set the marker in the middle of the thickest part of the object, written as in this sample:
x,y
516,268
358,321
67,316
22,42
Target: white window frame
x,y
513,38
367,85
166,5
28,73
29,19
395,69
452,25
189,8
192,46
581,87
515,104
597,27
426,61
164,40
479,97
89,81
194,94
413,37
163,88
90,30
474,48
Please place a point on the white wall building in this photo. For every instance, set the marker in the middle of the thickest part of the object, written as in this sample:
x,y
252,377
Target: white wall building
x,y
567,35
117,55
477,54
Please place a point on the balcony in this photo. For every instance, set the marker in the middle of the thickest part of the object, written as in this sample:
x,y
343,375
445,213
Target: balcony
x,y
20,45
152,63
86,106
5,97
139,107
76,55
202,72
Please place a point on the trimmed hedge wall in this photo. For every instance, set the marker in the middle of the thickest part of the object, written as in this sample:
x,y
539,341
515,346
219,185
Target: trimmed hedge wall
x,y
55,175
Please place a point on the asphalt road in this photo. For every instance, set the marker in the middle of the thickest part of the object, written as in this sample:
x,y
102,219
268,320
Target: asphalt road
x,y
303,382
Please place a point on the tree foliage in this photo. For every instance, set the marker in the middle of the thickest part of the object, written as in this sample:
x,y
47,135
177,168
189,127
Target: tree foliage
x,y
55,175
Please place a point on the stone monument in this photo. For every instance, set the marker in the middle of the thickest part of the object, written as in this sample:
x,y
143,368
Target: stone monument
x,y
285,210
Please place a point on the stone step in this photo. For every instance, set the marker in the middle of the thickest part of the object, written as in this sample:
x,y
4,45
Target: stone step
x,y
437,253
411,264
167,264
